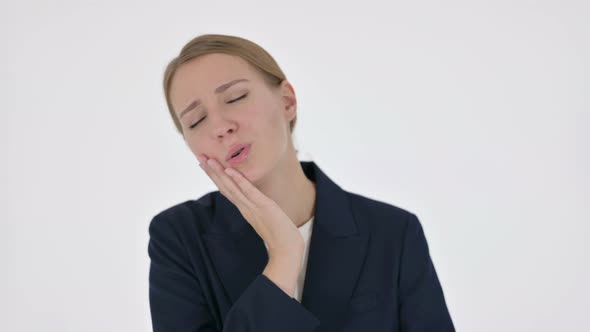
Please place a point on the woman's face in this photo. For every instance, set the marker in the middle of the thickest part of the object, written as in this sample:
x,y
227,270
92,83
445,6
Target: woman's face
x,y
220,101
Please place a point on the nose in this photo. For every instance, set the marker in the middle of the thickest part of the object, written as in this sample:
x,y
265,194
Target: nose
x,y
222,127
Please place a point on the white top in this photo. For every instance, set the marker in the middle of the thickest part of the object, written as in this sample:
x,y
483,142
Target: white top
x,y
305,230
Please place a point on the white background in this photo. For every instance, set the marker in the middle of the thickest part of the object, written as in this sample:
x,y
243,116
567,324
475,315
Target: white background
x,y
472,114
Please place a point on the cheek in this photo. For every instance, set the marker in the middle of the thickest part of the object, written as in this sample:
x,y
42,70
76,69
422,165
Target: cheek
x,y
251,120
196,149
268,115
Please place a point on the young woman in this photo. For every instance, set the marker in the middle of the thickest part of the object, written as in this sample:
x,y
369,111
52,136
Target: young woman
x,y
279,247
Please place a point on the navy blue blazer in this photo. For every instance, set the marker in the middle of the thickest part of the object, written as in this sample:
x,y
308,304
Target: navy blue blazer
x,y
368,269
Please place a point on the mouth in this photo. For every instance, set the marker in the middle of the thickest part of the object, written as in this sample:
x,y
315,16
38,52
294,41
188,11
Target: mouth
x,y
237,153
238,156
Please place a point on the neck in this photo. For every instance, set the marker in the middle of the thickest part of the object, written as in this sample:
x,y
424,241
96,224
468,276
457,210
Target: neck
x,y
288,186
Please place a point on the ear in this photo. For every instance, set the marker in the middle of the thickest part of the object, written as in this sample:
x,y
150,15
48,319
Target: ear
x,y
289,100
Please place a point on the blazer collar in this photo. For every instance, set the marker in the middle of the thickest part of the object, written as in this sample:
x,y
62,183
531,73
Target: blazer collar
x,y
332,213
337,249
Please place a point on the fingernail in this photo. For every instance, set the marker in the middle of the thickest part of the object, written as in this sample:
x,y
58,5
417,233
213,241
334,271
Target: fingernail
x,y
210,162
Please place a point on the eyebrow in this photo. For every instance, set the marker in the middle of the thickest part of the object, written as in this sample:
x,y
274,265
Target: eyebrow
x,y
219,90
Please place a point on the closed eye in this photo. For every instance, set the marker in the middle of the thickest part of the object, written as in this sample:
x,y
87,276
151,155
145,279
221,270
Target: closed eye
x,y
241,97
229,102
196,123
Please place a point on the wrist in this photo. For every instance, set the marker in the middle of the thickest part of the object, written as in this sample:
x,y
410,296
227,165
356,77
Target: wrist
x,y
284,272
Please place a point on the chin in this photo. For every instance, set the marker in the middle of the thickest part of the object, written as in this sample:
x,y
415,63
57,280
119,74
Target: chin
x,y
253,170
250,175
253,174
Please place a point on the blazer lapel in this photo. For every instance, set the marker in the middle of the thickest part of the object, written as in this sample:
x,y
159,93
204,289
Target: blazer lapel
x,y
237,251
337,250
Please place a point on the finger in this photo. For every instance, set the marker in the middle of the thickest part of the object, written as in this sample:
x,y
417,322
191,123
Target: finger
x,y
224,182
213,173
248,189
228,187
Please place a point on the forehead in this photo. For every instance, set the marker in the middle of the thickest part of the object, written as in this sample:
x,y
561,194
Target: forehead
x,y
214,64
197,78
209,71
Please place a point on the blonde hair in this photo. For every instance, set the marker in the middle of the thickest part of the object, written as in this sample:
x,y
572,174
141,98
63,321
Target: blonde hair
x,y
251,52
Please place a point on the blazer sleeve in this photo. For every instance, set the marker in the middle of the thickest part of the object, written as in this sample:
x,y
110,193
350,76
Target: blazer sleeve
x,y
177,301
422,302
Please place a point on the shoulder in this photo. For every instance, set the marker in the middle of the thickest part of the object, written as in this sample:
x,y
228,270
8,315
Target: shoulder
x,y
195,214
380,215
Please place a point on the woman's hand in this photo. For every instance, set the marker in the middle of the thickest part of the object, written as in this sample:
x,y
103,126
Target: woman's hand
x,y
266,217
285,243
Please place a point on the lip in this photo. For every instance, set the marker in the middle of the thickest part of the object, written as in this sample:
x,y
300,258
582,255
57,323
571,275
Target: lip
x,y
235,148
243,156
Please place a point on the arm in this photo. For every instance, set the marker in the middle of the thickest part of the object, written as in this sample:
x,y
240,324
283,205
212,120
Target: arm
x,y
177,302
422,303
